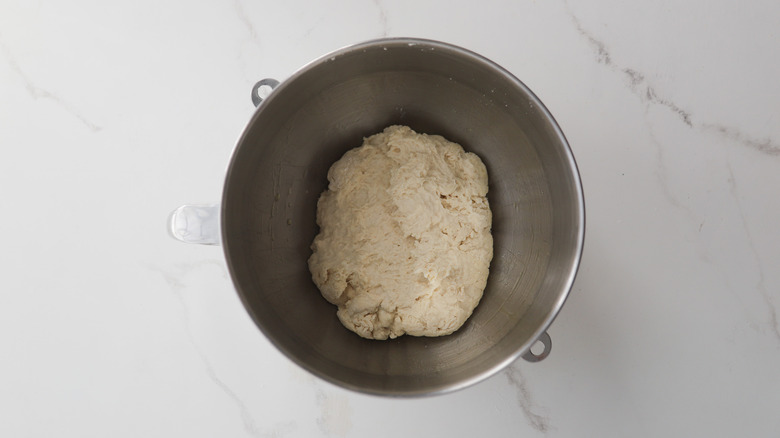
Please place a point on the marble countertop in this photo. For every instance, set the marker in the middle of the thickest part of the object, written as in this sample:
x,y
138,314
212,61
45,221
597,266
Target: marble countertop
x,y
114,113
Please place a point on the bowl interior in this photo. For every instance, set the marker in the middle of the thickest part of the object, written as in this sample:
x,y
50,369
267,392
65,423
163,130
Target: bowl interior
x,y
279,169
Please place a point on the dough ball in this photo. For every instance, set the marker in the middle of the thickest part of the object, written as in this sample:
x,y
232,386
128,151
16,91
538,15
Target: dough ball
x,y
404,243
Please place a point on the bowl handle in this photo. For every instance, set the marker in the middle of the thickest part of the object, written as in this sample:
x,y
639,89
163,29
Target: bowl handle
x,y
195,224
547,342
262,89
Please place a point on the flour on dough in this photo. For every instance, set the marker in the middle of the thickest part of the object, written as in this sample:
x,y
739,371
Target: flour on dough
x,y
404,243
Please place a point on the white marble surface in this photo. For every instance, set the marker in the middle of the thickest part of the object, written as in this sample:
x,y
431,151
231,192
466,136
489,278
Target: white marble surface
x,y
114,113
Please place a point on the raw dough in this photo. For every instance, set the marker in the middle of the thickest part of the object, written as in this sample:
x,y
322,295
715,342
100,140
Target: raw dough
x,y
404,243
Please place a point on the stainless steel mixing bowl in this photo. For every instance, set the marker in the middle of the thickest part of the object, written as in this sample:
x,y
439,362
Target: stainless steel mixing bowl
x,y
279,168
